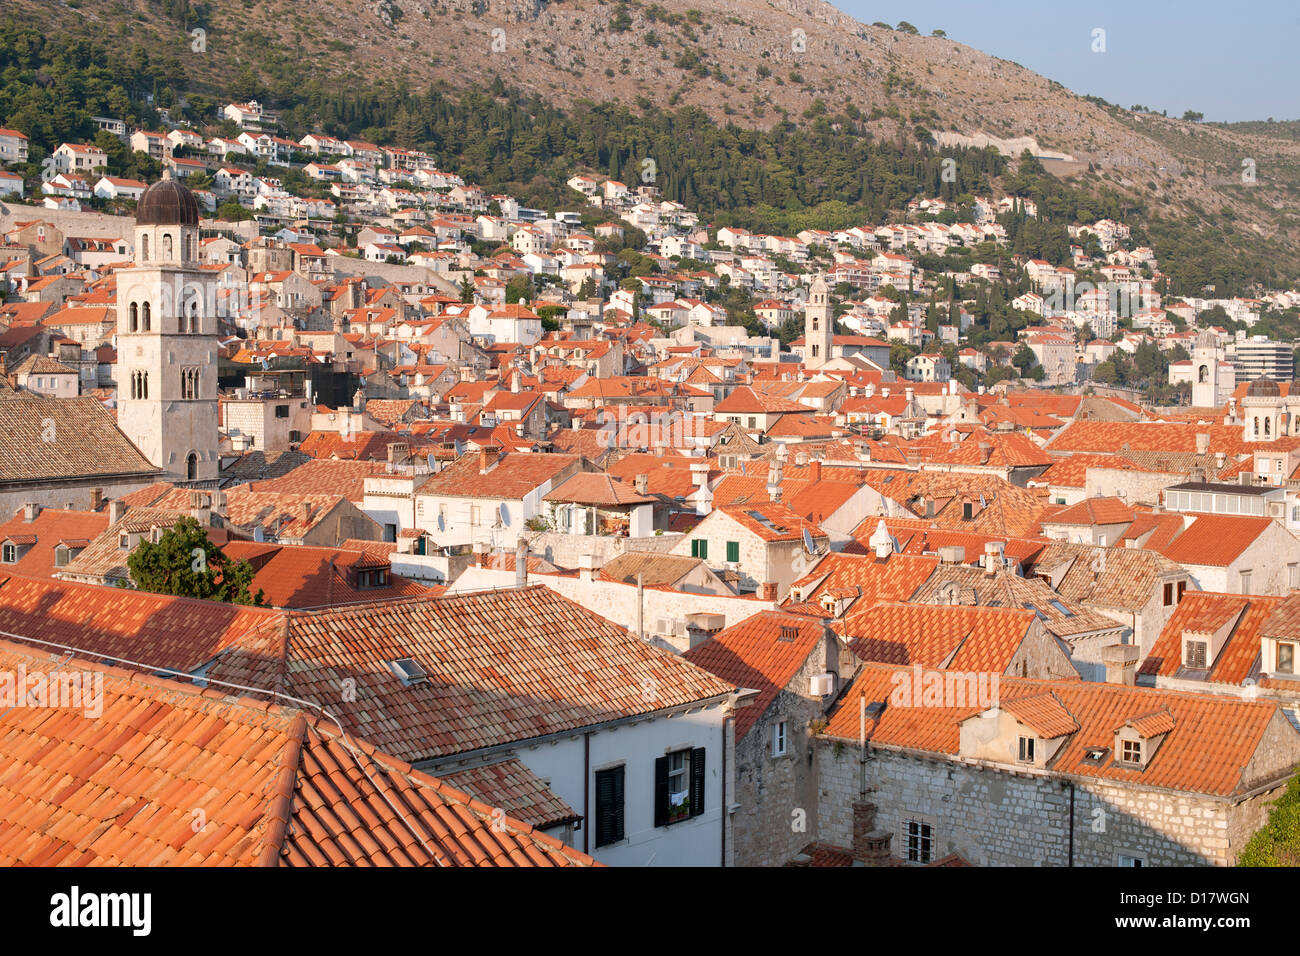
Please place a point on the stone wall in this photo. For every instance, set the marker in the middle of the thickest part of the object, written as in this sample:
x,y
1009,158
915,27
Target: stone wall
x,y
998,817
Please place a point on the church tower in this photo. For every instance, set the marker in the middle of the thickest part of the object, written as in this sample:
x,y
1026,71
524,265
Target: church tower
x,y
167,339
818,325
1205,371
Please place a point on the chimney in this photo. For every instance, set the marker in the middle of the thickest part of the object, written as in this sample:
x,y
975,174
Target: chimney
x,y
993,556
30,511
481,552
515,380
951,554
586,567
398,451
96,498
521,562
767,591
870,846
1219,459
909,394
815,471
1202,442
116,511
1121,663
702,625
306,512
642,484
986,452
881,541
488,459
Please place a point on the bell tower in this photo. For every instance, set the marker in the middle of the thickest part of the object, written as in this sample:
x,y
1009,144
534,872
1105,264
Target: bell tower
x,y
167,339
1205,371
818,325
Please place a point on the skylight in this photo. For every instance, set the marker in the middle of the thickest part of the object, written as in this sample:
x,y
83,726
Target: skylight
x,y
408,670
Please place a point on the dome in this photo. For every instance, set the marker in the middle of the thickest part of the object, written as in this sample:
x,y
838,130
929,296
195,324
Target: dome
x,y
167,203
1263,387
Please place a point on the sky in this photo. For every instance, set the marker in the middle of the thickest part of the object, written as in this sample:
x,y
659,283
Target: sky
x,y
1230,59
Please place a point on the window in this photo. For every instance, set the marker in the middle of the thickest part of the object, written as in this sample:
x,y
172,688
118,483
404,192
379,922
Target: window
x,y
753,422
699,548
1169,593
1293,575
1130,751
474,514
1285,658
1195,654
1125,860
1182,588
61,556
1027,749
733,551
679,786
967,510
282,411
920,842
779,739
10,554
609,806
1245,582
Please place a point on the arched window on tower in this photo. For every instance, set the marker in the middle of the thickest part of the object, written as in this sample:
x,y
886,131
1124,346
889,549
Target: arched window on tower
x,y
1267,422
191,466
189,247
1203,375
194,316
144,248
135,317
167,246
146,316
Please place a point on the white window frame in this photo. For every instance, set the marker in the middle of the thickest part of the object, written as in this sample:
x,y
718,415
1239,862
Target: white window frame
x,y
1126,747
918,838
780,739
1022,749
1129,859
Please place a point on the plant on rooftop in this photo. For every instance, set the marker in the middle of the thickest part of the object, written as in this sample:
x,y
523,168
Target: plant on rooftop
x,y
1277,843
185,563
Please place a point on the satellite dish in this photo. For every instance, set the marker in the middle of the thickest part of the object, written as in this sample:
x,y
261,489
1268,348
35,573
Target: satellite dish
x,y
808,542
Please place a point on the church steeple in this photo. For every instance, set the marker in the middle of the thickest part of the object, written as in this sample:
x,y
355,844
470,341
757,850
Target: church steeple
x,y
818,325
167,339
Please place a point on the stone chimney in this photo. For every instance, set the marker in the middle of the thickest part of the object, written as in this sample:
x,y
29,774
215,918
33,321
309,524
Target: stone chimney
x,y
521,563
702,625
994,552
767,591
481,554
306,512
116,511
1202,443
909,394
30,511
870,846
96,498
881,541
488,458
642,484
986,452
1121,663
398,452
586,567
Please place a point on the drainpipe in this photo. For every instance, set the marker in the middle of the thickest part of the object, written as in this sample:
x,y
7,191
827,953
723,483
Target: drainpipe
x,y
726,722
586,791
640,606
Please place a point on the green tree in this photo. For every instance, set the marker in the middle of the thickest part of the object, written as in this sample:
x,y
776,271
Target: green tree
x,y
185,563
466,289
519,287
1277,843
1024,358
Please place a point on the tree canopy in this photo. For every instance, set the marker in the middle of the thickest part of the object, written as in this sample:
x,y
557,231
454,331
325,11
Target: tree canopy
x,y
185,563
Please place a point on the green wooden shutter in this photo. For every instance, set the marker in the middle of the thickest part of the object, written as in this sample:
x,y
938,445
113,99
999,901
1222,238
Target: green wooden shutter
x,y
661,791
697,781
733,550
609,806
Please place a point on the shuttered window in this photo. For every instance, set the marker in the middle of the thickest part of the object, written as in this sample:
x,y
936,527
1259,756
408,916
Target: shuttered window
x,y
699,548
609,806
679,786
733,550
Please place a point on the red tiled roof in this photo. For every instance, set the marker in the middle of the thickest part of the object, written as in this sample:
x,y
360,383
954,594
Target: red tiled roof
x,y
121,787
1215,540
1214,739
763,653
974,639
504,666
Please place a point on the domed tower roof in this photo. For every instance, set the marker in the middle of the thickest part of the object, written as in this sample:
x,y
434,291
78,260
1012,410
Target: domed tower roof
x,y
1263,387
167,203
1207,340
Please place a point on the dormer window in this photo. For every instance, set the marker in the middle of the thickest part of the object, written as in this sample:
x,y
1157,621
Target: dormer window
x,y
1195,654
1285,657
1131,752
1026,751
124,541
9,553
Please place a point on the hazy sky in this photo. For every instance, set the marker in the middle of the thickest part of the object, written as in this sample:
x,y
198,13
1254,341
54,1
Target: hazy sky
x,y
1228,60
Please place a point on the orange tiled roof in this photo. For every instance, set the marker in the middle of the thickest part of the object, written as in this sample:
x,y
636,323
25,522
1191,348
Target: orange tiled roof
x,y
121,787
763,652
976,639
1203,611
504,666
1209,749
51,527
1215,540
